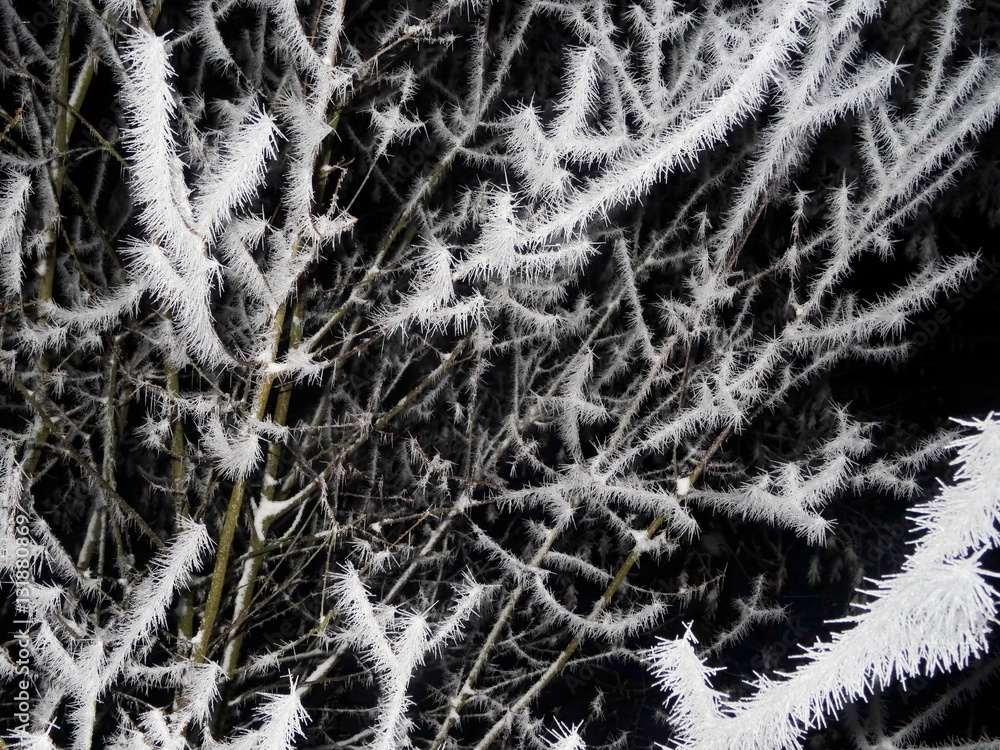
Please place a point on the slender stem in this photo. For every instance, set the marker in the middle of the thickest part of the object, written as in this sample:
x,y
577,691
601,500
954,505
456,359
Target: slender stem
x,y
185,623
235,507
114,430
258,531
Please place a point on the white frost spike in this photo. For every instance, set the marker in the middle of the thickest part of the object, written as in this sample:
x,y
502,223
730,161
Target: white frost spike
x,y
394,643
90,668
175,266
933,616
630,178
581,98
14,193
240,169
158,178
293,40
470,596
566,737
432,289
101,314
236,454
391,124
147,610
122,8
32,740
186,292
201,690
680,672
11,489
282,718
394,648
536,159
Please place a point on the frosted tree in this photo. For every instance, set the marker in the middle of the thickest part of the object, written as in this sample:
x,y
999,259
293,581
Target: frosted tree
x,y
392,375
